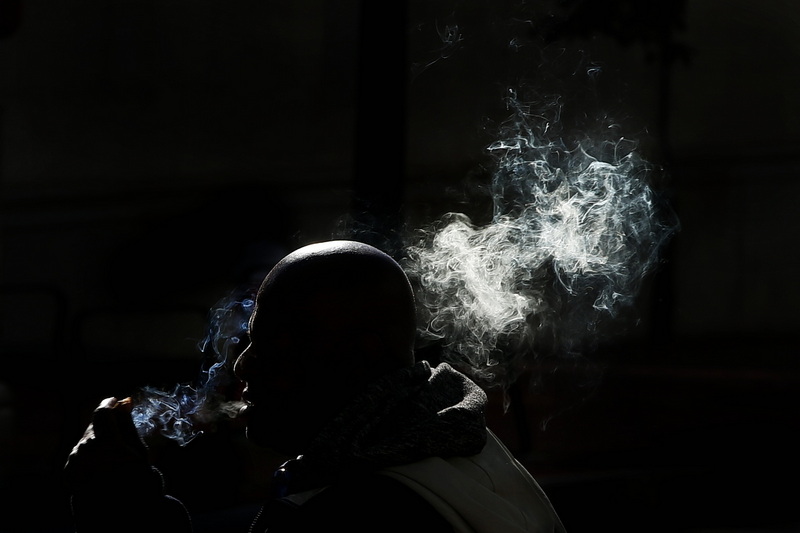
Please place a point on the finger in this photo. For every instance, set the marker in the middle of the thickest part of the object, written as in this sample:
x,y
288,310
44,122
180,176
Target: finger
x,y
107,403
128,431
103,420
113,422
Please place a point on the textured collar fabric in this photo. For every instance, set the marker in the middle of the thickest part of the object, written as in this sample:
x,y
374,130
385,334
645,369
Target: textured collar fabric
x,y
406,416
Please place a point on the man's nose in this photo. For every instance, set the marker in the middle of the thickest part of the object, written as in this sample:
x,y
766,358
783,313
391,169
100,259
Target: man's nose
x,y
242,367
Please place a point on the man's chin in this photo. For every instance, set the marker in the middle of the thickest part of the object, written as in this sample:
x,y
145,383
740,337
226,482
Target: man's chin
x,y
272,434
255,427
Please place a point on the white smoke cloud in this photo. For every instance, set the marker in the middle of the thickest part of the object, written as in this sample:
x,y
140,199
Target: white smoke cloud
x,y
575,228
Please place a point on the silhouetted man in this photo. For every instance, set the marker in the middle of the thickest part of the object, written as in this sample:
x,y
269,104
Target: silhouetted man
x,y
382,442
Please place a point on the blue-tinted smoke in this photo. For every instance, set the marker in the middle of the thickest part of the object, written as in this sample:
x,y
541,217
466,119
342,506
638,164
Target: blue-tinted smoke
x,y
184,412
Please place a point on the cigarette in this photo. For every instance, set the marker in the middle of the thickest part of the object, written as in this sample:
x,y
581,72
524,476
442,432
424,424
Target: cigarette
x,y
126,404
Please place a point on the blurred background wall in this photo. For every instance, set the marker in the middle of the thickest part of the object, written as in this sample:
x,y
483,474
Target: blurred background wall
x,y
157,155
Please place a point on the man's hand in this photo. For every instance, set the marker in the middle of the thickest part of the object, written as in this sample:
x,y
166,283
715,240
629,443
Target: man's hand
x,y
113,486
111,457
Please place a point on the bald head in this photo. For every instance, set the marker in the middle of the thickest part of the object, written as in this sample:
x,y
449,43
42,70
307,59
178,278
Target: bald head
x,y
354,293
329,318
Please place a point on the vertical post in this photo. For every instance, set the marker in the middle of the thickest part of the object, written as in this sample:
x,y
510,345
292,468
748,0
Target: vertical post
x,y
380,132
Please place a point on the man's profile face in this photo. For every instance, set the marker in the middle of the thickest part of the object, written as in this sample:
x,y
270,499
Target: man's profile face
x,y
291,373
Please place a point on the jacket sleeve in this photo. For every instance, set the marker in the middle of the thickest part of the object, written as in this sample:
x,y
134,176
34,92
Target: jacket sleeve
x,y
128,509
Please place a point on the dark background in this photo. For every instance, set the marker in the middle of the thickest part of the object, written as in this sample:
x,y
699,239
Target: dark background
x,y
157,155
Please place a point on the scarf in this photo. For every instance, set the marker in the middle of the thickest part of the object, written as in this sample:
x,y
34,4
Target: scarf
x,y
403,417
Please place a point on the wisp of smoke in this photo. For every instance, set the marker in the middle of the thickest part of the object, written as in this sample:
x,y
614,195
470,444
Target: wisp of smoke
x,y
182,413
574,229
